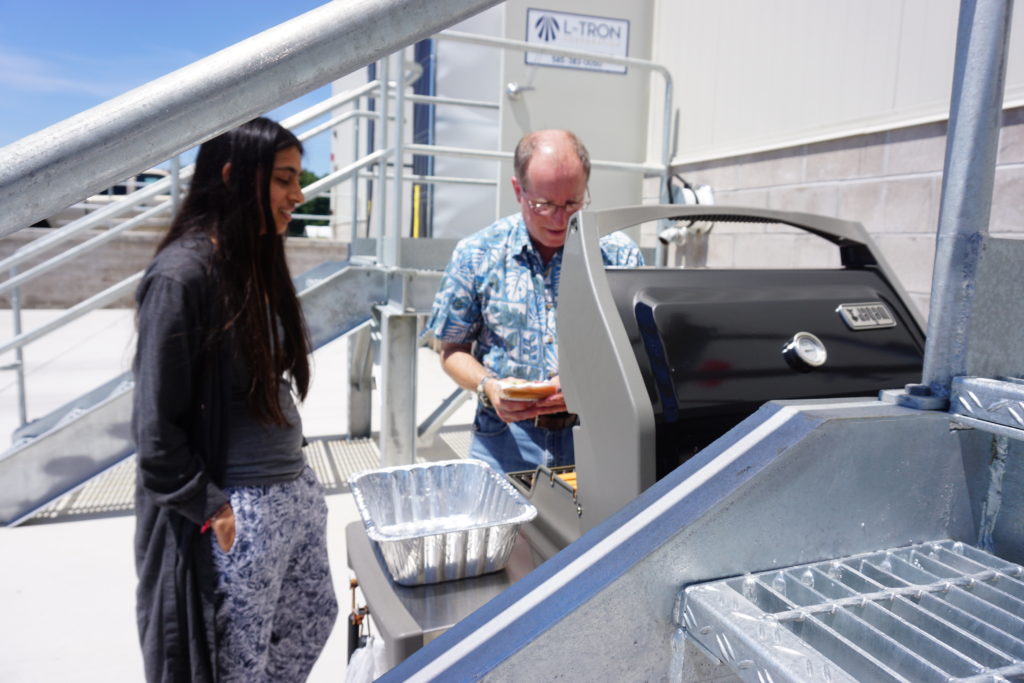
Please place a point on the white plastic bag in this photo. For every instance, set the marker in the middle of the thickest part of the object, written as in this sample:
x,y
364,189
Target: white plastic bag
x,y
367,662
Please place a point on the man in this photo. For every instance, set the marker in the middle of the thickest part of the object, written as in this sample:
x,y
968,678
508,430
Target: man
x,y
495,309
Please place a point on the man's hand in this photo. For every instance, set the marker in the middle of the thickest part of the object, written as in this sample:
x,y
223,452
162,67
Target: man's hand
x,y
458,363
514,411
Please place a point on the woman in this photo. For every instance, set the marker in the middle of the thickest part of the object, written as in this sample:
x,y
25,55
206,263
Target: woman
x,y
230,542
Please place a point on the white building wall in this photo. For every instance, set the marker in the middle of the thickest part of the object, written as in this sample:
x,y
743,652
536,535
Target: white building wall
x,y
838,108
753,75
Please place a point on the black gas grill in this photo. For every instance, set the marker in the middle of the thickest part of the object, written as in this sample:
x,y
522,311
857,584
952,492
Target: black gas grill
x,y
713,345
660,362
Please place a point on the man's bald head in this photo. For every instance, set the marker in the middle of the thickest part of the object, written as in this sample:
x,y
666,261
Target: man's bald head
x,y
551,143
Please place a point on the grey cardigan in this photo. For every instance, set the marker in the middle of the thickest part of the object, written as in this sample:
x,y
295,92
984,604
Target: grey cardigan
x,y
180,389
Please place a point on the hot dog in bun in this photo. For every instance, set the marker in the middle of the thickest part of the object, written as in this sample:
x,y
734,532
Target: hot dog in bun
x,y
513,389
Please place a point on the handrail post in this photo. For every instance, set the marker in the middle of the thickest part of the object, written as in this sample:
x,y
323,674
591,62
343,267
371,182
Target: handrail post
x,y
380,195
661,254
972,146
19,357
356,131
394,241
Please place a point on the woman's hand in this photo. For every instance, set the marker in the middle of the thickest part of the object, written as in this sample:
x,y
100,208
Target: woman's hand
x,y
223,525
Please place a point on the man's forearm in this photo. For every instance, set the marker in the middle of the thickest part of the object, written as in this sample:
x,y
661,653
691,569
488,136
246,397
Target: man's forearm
x,y
459,364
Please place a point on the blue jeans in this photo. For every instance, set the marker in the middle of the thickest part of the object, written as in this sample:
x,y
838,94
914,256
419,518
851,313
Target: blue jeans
x,y
518,446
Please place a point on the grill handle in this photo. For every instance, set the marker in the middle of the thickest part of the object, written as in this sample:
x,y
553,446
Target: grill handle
x,y
853,240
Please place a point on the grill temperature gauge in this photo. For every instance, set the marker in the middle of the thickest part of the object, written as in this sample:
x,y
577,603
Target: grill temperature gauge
x,y
804,352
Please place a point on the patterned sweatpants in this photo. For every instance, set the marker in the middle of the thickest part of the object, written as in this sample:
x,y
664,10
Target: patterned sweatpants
x,y
275,604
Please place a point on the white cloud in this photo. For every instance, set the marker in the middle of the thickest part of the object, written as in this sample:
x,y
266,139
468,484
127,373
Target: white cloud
x,y
31,74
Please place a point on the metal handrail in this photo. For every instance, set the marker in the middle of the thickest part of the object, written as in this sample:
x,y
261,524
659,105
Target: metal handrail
x,y
336,121
100,300
523,46
453,101
324,184
113,292
438,150
436,179
90,221
151,190
135,198
84,247
330,104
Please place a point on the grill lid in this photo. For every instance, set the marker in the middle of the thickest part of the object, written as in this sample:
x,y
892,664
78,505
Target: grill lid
x,y
936,611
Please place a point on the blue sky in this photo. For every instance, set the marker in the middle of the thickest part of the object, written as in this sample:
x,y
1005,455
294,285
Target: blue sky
x,y
61,57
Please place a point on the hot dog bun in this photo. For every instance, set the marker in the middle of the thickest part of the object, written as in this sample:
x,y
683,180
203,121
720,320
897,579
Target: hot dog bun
x,y
523,390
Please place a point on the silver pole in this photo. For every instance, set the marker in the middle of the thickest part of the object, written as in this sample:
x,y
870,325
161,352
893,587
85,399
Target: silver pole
x,y
19,357
380,195
357,126
394,242
660,254
968,177
93,150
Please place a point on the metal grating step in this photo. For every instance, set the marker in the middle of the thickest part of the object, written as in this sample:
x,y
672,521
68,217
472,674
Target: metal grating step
x,y
936,611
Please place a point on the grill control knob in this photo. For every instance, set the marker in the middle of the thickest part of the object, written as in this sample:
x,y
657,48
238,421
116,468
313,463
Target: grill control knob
x,y
804,352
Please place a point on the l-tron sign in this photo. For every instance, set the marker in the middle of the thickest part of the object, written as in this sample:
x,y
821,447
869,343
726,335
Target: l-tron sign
x,y
579,32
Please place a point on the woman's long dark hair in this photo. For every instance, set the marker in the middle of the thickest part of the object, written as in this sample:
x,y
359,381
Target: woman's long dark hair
x,y
249,266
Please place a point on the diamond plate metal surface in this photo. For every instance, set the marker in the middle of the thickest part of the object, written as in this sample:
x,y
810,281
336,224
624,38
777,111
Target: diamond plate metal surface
x,y
995,400
995,405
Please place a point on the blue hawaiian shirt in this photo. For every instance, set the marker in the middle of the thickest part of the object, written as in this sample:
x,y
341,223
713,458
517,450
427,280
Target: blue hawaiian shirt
x,y
498,293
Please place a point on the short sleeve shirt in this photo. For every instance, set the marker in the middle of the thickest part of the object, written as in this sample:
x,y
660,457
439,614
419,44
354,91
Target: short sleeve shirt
x,y
497,292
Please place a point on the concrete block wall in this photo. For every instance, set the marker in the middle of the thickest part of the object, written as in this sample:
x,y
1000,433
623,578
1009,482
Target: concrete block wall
x,y
891,182
118,259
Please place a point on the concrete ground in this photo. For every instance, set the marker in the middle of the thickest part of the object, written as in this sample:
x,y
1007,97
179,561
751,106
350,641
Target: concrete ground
x,y
67,587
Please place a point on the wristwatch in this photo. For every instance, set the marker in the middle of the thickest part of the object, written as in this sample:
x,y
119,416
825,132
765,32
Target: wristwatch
x,y
485,400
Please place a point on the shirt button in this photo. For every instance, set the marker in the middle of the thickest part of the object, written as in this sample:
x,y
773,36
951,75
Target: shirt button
x,y
549,340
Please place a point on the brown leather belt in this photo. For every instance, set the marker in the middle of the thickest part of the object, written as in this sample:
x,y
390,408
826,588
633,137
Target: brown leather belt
x,y
556,420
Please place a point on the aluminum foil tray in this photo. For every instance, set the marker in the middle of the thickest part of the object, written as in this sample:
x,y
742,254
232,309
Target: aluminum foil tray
x,y
440,521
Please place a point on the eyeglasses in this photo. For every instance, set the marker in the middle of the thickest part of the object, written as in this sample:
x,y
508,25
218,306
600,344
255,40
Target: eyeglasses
x,y
542,207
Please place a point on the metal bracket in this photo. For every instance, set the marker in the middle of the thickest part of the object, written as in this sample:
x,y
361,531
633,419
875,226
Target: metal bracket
x,y
515,91
916,396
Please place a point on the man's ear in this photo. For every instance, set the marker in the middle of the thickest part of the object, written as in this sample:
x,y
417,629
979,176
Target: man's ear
x,y
516,187
225,173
